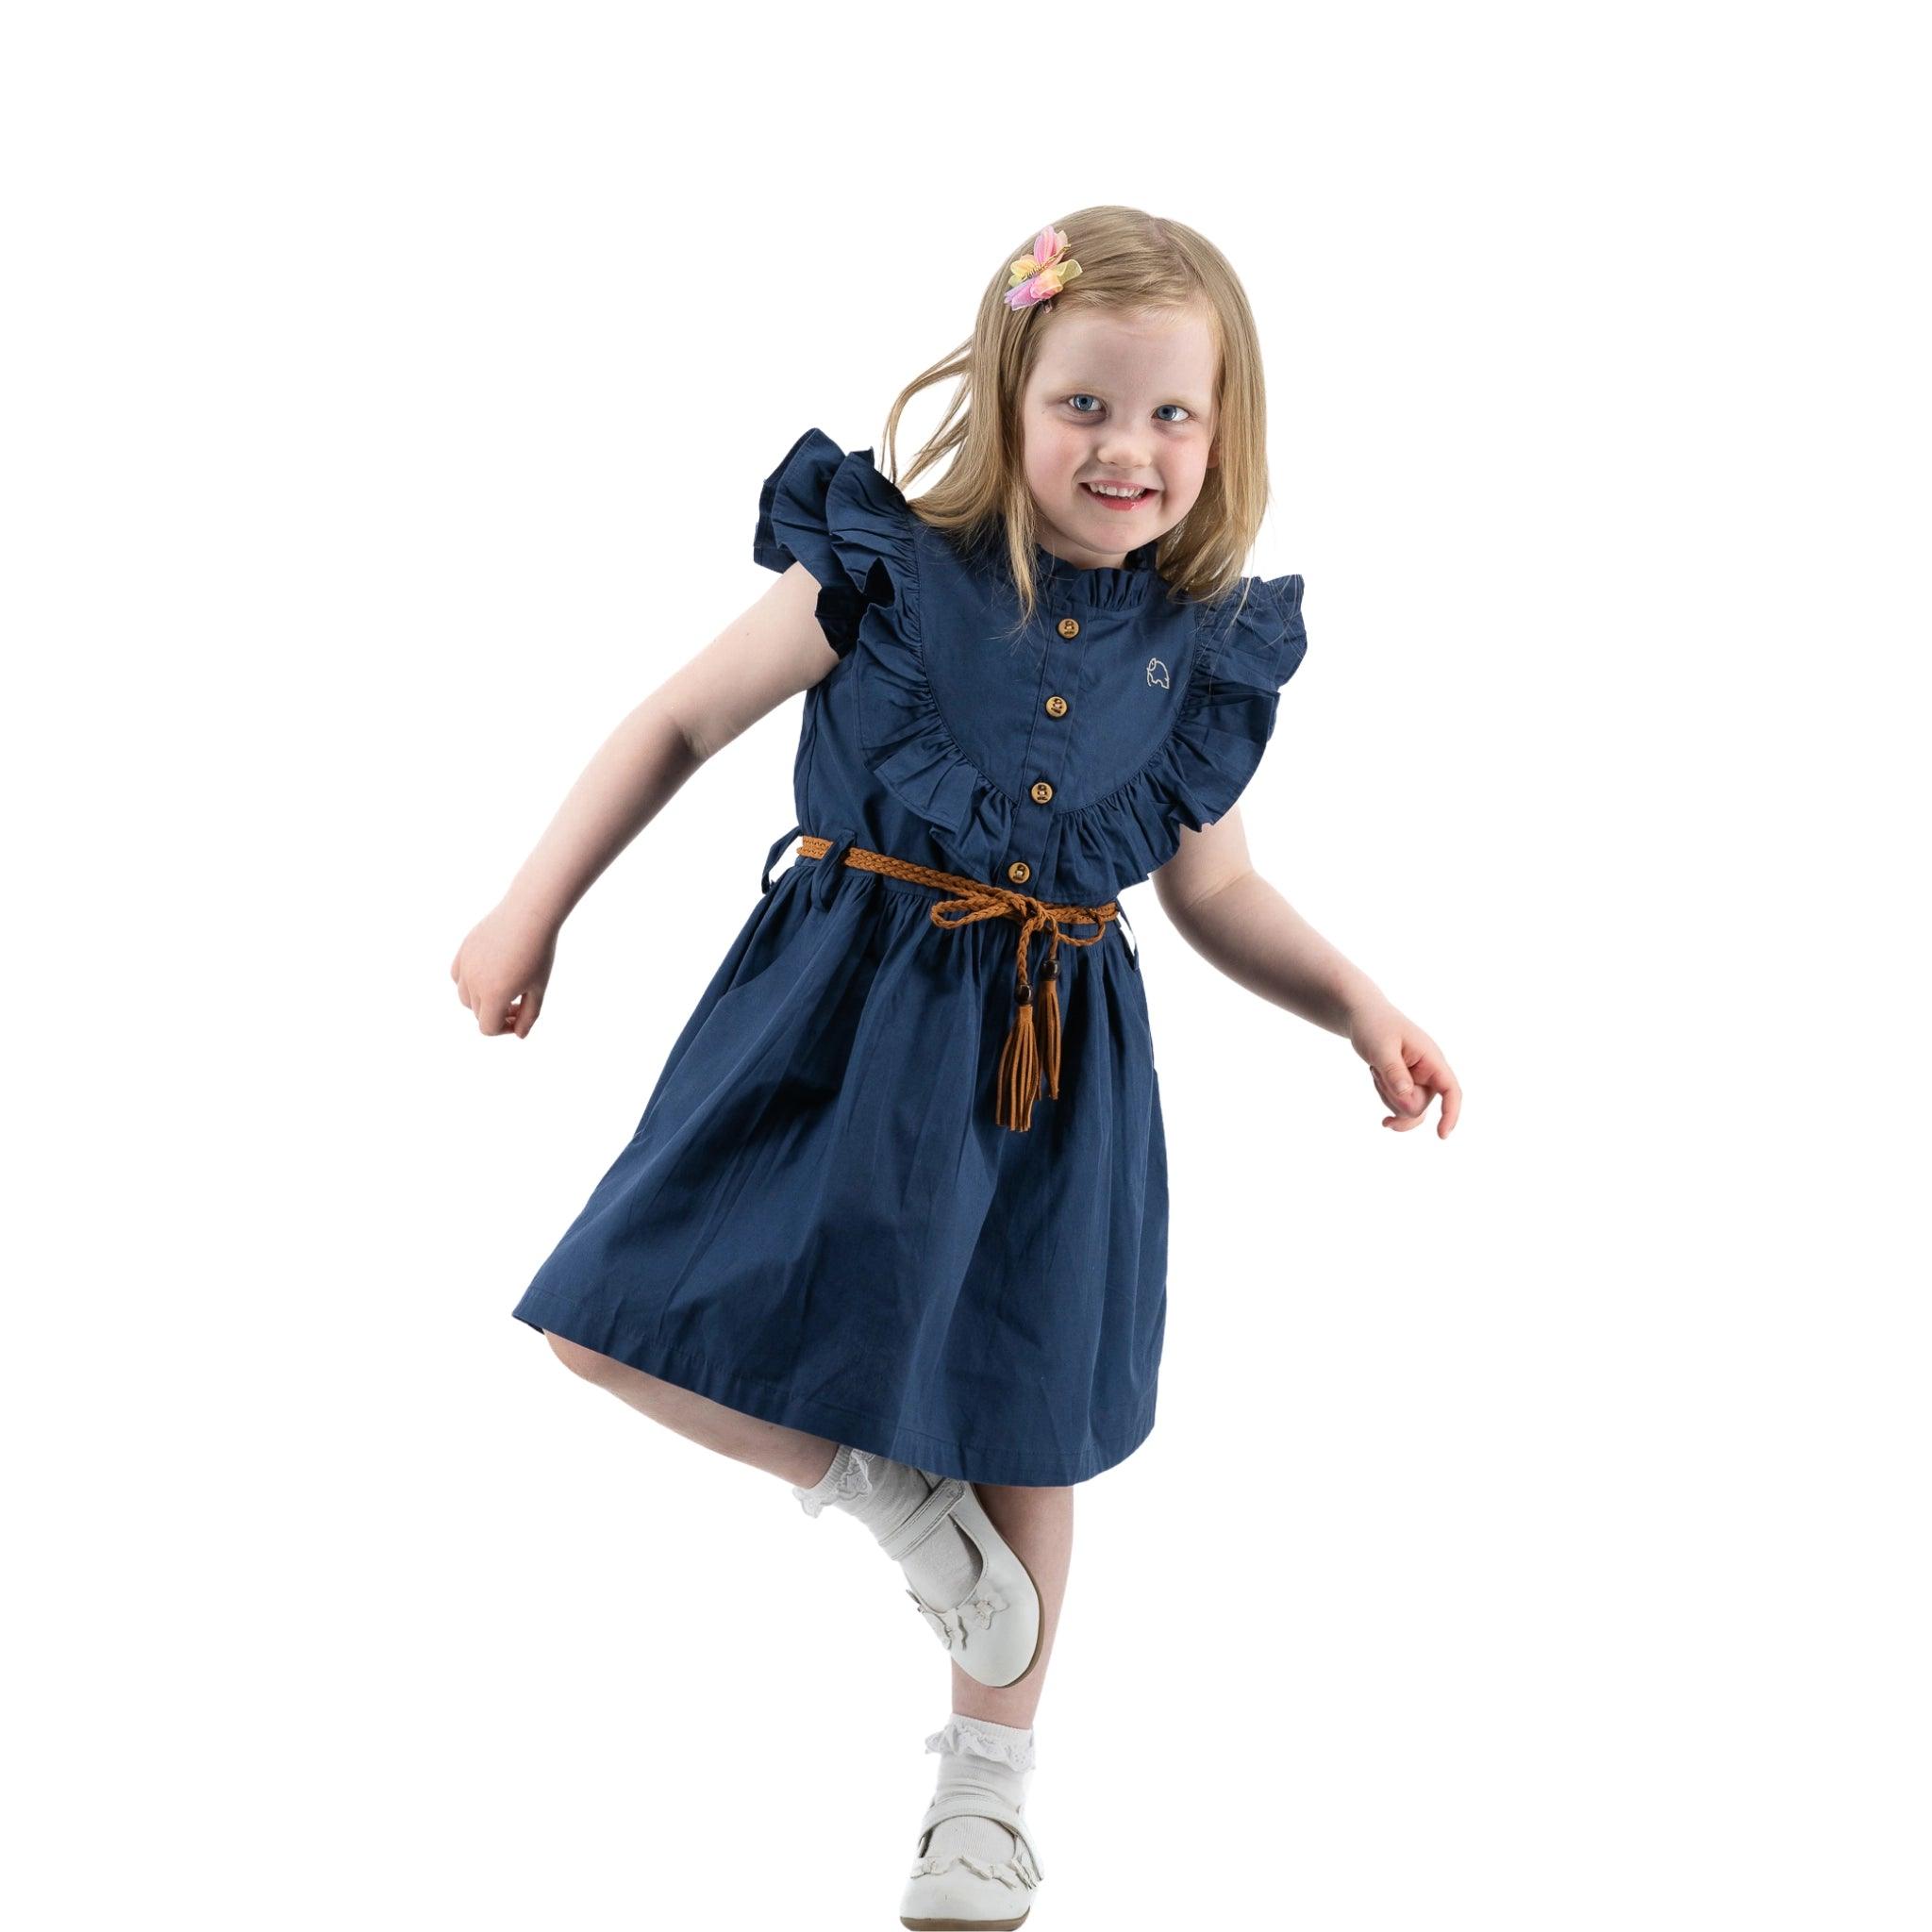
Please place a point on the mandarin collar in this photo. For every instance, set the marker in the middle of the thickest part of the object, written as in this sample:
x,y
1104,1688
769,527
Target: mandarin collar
x,y
1108,587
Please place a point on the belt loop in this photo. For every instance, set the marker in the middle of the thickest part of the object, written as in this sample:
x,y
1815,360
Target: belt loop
x,y
777,845
832,866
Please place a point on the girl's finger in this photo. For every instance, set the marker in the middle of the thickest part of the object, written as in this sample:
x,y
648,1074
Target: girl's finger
x,y
1433,1074
1398,1089
525,1016
1402,1116
1403,1088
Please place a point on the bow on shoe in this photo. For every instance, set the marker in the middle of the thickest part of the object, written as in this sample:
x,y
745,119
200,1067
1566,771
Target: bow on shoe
x,y
949,1626
981,1606
1017,1873
945,1624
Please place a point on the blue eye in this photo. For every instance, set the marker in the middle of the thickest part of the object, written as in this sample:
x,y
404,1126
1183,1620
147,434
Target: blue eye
x,y
1080,396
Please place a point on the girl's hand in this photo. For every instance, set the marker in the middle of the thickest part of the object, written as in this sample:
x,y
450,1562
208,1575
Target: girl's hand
x,y
502,968
1408,1066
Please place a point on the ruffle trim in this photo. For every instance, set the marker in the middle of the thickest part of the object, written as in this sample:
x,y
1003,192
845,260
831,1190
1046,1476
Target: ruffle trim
x,y
856,534
851,1481
972,1737
1242,656
850,527
907,744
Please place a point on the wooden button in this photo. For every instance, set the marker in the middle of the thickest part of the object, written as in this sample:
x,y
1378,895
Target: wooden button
x,y
1019,871
1070,626
1056,706
1042,791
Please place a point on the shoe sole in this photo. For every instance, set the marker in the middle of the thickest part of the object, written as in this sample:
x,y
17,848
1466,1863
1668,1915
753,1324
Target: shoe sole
x,y
965,1925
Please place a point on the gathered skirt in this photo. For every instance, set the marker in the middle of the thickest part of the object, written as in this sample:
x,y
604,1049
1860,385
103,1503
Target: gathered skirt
x,y
819,1221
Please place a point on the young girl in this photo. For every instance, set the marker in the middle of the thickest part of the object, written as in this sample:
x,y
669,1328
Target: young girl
x,y
893,1225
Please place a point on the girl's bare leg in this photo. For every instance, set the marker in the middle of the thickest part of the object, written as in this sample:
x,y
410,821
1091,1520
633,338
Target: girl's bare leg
x,y
794,1455
1038,1524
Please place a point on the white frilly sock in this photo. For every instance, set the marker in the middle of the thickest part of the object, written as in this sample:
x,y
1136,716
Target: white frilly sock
x,y
978,1757
882,1494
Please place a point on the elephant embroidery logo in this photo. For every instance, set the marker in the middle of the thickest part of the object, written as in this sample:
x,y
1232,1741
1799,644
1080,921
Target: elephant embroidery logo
x,y
1156,672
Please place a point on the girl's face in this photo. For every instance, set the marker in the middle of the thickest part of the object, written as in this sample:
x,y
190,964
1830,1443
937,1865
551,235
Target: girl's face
x,y
1126,399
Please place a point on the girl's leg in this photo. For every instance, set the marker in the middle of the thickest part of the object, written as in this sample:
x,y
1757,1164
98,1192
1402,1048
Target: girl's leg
x,y
967,1864
1038,1524
794,1455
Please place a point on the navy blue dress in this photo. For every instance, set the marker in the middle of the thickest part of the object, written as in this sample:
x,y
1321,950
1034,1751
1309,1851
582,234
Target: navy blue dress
x,y
819,1219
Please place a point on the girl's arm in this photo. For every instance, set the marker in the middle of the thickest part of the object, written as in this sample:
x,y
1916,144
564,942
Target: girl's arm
x,y
768,655
1239,924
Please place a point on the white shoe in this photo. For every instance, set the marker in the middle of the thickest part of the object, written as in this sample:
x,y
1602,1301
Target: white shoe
x,y
961,1894
993,1631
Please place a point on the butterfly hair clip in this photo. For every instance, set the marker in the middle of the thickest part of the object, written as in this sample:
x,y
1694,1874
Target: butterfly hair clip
x,y
1041,277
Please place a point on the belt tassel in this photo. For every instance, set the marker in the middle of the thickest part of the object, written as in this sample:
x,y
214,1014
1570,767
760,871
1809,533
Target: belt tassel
x,y
1049,1023
1019,1075
1030,1060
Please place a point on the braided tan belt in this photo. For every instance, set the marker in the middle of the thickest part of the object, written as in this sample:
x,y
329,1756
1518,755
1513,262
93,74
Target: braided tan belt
x,y
1026,1051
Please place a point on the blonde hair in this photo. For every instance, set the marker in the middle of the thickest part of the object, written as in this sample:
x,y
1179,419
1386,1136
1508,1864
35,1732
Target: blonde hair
x,y
1129,261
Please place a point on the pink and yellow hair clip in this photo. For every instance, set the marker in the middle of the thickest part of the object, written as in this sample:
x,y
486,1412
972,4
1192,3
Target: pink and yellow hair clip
x,y
1041,277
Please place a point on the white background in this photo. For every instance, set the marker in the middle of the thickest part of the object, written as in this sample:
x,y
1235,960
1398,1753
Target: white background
x,y
1534,1533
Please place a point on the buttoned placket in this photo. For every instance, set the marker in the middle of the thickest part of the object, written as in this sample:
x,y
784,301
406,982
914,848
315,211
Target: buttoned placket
x,y
1067,619
1049,746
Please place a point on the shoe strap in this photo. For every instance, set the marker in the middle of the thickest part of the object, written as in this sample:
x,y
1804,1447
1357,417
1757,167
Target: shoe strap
x,y
925,1518
979,1804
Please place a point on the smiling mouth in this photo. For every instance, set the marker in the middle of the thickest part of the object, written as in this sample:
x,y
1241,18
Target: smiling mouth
x,y
1140,495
